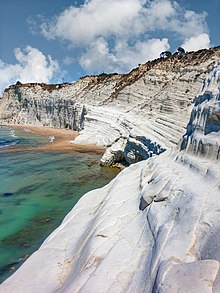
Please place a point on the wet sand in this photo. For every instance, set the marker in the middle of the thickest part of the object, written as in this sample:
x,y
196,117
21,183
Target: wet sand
x,y
61,140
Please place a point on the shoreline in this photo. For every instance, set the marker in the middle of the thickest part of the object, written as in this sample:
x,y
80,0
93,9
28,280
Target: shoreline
x,y
60,141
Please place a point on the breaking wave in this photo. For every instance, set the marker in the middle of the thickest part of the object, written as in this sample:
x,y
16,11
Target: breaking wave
x,y
4,143
8,138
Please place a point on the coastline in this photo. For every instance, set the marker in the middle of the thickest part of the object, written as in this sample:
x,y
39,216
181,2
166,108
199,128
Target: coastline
x,y
60,141
59,147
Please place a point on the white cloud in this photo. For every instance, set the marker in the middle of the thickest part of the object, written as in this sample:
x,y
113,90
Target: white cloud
x,y
32,66
81,25
189,24
201,41
99,57
122,18
115,35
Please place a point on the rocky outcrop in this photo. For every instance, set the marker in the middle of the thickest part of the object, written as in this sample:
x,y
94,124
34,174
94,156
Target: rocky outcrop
x,y
135,115
204,123
154,228
130,150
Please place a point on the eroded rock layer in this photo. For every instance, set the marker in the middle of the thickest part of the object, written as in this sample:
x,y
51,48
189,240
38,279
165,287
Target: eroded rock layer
x,y
135,115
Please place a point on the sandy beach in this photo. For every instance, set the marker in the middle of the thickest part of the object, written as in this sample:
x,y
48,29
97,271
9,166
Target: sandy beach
x,y
60,141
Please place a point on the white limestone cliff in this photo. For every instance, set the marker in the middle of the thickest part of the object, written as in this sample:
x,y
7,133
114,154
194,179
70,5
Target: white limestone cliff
x,y
135,115
154,228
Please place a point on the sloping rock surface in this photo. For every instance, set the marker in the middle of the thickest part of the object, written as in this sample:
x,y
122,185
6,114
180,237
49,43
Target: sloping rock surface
x,y
154,228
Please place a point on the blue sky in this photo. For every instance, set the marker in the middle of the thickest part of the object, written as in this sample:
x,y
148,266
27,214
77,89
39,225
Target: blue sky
x,y
62,40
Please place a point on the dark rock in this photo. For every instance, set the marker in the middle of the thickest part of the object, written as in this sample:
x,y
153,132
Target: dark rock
x,y
46,220
25,244
7,194
8,268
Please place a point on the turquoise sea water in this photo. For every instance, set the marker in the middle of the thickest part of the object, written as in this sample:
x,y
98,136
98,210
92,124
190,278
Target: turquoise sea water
x,y
37,189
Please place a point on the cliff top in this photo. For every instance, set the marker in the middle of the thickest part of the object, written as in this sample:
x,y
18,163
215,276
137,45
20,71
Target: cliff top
x,y
174,62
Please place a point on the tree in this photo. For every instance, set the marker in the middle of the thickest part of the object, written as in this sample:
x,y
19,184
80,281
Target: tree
x,y
180,50
165,54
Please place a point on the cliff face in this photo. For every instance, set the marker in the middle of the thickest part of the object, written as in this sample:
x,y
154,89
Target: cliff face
x,y
201,137
41,104
133,115
154,228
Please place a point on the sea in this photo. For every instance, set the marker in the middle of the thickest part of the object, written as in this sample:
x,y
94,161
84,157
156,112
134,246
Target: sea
x,y
37,190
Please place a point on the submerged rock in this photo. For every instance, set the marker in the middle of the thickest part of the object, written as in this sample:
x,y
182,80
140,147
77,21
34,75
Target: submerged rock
x,y
7,194
46,220
7,268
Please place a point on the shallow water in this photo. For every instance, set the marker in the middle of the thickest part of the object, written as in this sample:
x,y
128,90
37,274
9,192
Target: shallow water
x,y
37,189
